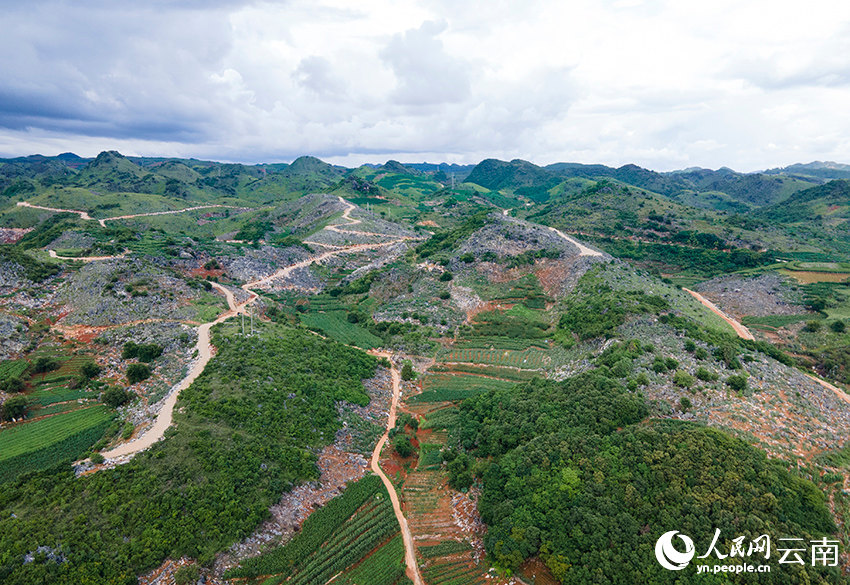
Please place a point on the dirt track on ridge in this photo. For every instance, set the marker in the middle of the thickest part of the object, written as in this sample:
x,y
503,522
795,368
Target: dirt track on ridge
x,y
407,537
744,333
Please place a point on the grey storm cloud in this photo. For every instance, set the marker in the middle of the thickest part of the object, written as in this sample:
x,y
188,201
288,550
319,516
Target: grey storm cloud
x,y
92,69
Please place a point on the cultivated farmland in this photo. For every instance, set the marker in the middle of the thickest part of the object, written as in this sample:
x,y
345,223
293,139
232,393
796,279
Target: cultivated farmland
x,y
355,525
530,359
45,442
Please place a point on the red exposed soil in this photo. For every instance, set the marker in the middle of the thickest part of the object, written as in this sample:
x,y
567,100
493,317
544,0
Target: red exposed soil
x,y
488,306
535,571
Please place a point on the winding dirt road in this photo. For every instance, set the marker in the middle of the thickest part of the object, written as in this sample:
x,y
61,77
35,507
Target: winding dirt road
x,y
407,537
163,419
82,214
346,215
744,333
102,222
165,416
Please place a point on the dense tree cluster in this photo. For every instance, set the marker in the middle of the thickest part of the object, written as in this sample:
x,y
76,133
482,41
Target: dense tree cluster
x,y
598,309
571,475
146,352
707,261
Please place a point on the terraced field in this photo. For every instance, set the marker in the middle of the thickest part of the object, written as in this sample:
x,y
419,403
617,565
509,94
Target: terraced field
x,y
45,442
12,368
774,322
531,359
485,342
454,571
335,324
384,567
340,540
504,373
442,387
58,393
447,558
36,435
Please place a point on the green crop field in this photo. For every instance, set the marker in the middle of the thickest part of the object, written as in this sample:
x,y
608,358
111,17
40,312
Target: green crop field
x,y
485,342
324,303
39,434
429,456
334,538
449,387
12,368
511,374
444,548
777,321
335,324
58,393
454,572
40,444
529,359
61,407
384,567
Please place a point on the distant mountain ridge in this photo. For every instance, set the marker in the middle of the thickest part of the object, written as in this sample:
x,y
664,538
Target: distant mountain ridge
x,y
721,189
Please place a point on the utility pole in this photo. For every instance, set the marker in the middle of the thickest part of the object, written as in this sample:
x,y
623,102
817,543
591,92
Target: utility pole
x,y
250,308
453,180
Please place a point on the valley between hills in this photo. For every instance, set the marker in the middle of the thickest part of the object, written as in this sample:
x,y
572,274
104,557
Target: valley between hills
x,y
500,373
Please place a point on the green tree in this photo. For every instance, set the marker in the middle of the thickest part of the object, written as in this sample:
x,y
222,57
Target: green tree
x,y
149,352
13,384
737,383
14,407
138,372
407,372
115,396
45,364
813,326
402,445
683,379
838,326
90,370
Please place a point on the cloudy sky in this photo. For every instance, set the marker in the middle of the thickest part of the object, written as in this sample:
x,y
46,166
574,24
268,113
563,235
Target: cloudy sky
x,y
749,84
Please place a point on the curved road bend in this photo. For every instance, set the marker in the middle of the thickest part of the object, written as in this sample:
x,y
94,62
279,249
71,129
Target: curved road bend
x,y
744,333
163,419
409,550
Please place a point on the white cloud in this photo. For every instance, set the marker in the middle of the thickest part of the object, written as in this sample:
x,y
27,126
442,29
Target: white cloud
x,y
664,84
